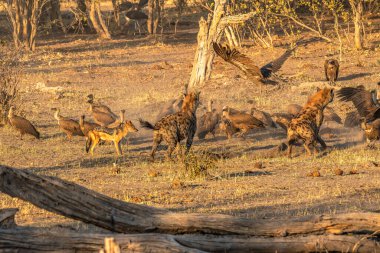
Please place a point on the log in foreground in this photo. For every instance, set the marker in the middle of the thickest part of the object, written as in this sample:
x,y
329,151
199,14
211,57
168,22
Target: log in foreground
x,y
31,240
77,202
7,217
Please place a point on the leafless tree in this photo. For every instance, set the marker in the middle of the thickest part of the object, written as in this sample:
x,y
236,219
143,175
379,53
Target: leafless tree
x,y
23,16
357,10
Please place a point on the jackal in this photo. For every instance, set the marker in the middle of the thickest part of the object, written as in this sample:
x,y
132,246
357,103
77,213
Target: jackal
x,y
115,135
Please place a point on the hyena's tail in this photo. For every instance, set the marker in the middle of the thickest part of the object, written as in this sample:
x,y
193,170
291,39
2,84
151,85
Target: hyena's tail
x,y
88,143
146,124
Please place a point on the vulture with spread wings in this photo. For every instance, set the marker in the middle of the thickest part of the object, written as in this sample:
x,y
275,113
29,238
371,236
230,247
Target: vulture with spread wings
x,y
368,107
247,65
366,102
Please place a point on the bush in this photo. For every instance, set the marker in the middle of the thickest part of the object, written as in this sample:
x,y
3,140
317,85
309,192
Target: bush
x,y
10,76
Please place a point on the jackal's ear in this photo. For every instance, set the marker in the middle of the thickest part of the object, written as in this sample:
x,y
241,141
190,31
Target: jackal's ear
x,y
318,89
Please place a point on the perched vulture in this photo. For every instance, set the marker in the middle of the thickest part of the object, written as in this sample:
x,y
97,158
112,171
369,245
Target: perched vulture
x,y
263,116
118,121
331,70
21,124
86,126
241,120
208,122
245,64
227,126
69,126
100,107
101,118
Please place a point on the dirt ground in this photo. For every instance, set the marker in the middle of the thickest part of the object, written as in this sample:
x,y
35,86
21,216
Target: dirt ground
x,y
139,75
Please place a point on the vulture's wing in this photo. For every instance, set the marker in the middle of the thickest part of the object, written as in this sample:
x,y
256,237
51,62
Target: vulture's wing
x,y
239,60
276,64
362,100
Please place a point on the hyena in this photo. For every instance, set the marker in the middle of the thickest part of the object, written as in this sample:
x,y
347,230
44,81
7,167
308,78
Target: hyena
x,y
176,127
305,126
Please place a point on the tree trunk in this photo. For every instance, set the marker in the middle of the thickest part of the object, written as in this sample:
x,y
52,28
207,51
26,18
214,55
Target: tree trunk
x,y
208,32
116,13
34,240
97,20
150,20
24,16
357,10
79,203
154,16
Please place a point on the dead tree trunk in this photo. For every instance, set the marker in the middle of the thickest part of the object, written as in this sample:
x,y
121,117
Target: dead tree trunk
x,y
34,240
79,203
97,21
154,16
357,10
24,16
208,32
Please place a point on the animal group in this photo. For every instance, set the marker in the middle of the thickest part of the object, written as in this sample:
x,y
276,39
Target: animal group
x,y
178,119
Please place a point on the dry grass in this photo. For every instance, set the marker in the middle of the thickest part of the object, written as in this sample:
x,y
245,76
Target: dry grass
x,y
252,180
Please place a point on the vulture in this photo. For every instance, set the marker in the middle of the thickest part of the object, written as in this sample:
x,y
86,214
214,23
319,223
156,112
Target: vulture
x,y
69,126
331,115
21,124
282,119
99,107
226,126
124,6
208,122
331,70
294,109
102,118
142,3
172,106
241,120
85,126
264,117
118,121
367,104
245,64
352,119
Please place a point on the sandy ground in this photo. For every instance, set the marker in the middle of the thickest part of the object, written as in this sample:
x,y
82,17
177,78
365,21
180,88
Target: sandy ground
x,y
139,75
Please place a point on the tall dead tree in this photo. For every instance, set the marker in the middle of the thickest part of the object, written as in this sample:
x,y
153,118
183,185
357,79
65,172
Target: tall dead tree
x,y
96,18
212,31
208,32
357,10
24,16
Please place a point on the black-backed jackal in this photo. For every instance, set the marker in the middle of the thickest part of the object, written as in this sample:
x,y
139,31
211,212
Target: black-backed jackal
x,y
115,135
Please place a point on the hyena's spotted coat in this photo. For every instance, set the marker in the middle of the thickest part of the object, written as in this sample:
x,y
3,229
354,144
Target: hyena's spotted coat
x,y
305,126
176,127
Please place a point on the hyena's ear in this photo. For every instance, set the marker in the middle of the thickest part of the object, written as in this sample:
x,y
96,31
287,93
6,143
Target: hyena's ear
x,y
318,89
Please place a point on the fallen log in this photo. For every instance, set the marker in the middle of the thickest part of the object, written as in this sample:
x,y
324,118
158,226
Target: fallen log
x,y
30,240
77,202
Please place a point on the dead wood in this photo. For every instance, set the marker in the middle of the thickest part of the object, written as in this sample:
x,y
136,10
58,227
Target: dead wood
x,y
7,217
33,240
80,203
